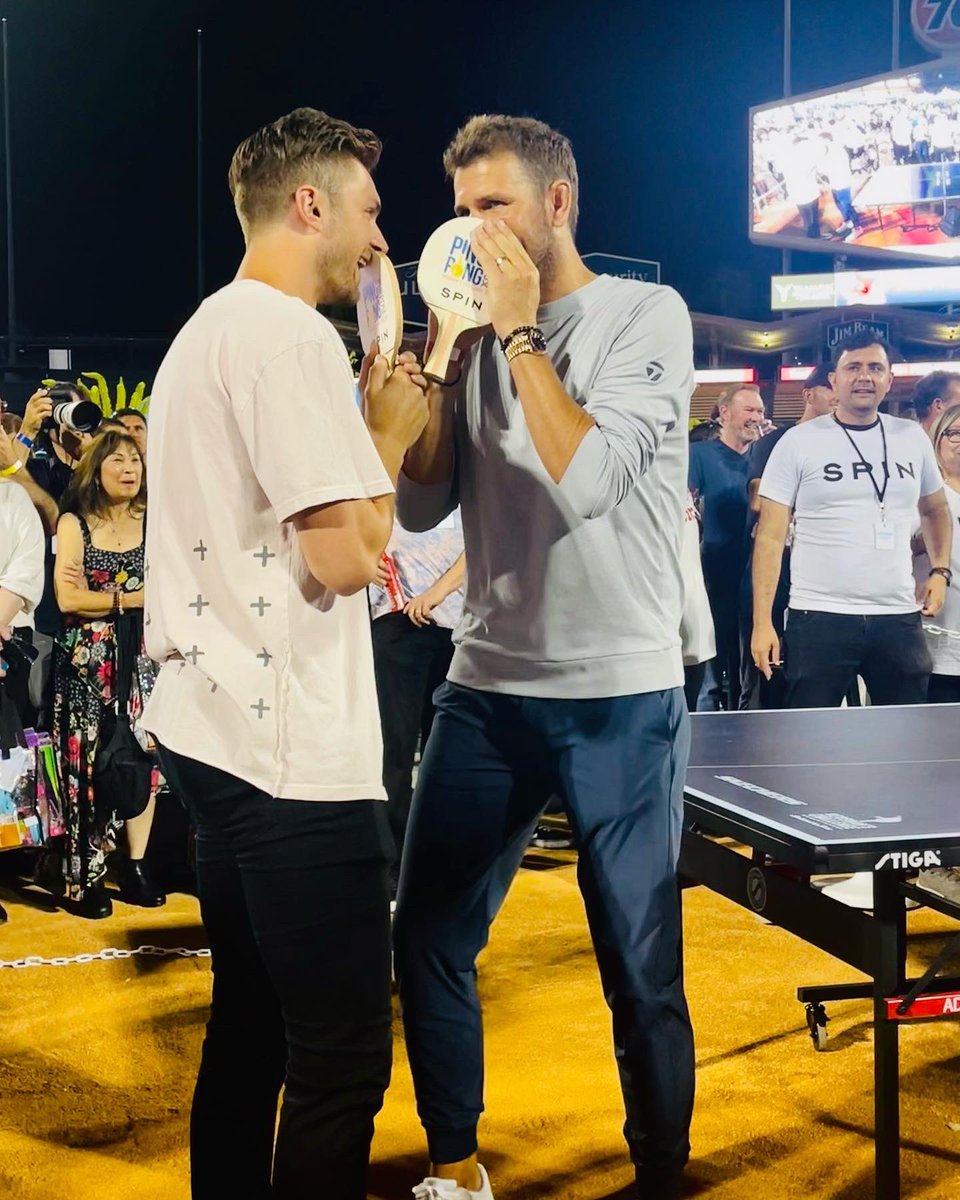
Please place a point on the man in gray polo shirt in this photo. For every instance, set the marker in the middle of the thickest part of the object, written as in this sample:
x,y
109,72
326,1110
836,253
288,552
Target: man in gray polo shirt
x,y
564,442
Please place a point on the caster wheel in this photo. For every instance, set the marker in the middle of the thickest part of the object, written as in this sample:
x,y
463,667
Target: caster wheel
x,y
817,1024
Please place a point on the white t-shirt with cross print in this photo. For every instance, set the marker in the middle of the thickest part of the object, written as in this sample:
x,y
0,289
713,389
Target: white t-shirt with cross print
x,y
849,555
266,674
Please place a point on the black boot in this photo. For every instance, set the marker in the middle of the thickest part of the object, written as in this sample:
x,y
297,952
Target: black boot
x,y
94,904
136,886
663,1183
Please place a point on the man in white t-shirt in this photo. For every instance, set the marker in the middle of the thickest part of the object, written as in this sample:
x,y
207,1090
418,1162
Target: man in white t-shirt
x,y
270,505
852,483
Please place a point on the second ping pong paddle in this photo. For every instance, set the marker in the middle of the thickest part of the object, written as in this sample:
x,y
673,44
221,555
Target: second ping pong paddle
x,y
454,288
379,308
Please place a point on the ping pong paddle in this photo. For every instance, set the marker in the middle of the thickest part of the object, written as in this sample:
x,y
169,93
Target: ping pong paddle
x,y
379,308
454,288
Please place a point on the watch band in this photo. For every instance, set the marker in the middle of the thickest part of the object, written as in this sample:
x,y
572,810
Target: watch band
x,y
506,342
521,344
944,573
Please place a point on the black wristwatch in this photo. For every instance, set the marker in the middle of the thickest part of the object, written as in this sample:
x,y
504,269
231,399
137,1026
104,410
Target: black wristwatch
x,y
945,572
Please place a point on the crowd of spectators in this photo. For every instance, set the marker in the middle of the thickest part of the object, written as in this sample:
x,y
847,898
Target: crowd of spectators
x,y
817,558
72,520
829,546
832,146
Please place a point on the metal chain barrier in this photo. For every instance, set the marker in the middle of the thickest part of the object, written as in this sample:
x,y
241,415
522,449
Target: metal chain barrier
x,y
952,634
107,955
110,954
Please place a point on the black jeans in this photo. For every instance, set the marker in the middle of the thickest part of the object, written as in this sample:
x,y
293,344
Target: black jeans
x,y
726,625
755,690
693,678
825,652
411,662
944,689
294,898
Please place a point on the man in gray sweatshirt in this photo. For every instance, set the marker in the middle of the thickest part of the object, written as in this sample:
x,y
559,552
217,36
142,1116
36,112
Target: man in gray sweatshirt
x,y
564,441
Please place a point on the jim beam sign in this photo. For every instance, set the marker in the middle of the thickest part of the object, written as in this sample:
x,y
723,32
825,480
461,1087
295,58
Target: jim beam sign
x,y
839,331
936,24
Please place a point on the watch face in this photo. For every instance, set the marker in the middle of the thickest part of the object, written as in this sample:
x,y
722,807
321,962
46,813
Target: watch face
x,y
538,341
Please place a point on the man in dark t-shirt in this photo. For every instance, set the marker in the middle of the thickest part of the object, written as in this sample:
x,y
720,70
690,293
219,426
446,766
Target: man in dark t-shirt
x,y
755,691
718,480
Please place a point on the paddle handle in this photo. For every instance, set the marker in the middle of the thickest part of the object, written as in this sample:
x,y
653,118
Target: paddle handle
x,y
451,326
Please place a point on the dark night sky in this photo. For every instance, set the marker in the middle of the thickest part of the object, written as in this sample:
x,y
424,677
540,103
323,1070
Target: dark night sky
x,y
653,95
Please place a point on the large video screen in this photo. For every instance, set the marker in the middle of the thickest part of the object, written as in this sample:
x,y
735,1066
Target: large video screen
x,y
871,168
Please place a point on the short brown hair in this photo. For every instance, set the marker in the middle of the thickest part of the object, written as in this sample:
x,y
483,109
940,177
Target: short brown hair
x,y
305,145
547,154
84,495
725,398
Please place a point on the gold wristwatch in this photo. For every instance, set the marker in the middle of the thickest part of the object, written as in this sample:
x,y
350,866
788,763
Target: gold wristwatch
x,y
528,339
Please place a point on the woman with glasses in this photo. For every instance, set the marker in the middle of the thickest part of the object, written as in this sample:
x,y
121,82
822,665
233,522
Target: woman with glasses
x,y
943,631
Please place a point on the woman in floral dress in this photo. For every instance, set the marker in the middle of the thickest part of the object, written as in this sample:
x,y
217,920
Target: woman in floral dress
x,y
99,575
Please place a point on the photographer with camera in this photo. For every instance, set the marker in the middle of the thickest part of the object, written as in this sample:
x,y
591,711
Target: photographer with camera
x,y
58,424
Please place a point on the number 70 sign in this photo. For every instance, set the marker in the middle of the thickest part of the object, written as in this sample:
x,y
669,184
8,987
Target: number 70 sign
x,y
936,24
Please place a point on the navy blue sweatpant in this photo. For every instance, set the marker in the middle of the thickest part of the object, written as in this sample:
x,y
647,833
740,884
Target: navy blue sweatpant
x,y
490,764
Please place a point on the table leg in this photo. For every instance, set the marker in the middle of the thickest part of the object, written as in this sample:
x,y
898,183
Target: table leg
x,y
886,1102
890,911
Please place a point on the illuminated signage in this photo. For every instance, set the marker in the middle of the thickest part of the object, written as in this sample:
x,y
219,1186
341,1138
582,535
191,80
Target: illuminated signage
x,y
899,285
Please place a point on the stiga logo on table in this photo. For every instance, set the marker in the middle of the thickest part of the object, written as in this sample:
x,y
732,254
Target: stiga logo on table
x,y
462,265
906,860
936,24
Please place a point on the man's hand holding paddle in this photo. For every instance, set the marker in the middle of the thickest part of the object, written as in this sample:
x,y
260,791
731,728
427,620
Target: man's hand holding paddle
x,y
394,405
513,282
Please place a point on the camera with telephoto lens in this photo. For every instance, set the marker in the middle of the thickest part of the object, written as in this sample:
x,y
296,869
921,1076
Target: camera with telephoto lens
x,y
72,410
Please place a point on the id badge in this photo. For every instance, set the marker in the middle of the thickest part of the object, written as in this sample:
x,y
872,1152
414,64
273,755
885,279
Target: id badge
x,y
883,536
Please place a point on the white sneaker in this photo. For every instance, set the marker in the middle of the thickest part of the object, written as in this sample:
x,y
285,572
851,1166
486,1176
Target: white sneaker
x,y
856,892
446,1189
943,882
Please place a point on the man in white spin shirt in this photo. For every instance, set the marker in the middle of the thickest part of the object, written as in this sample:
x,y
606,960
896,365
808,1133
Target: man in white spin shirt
x,y
852,482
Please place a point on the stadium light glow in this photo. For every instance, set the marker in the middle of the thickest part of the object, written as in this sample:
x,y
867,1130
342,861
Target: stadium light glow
x,y
726,375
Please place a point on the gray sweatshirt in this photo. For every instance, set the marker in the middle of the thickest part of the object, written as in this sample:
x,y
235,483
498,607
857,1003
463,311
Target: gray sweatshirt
x,y
573,589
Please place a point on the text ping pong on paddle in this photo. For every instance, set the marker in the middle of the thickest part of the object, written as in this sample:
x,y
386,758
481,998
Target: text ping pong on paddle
x,y
453,286
462,266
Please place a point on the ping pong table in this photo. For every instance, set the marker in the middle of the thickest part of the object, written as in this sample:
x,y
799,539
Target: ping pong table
x,y
912,184
823,792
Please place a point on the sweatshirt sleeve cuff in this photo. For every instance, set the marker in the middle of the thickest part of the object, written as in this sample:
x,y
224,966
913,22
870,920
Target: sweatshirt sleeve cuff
x,y
422,506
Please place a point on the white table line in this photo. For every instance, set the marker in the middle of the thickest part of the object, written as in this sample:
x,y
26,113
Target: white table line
x,y
870,762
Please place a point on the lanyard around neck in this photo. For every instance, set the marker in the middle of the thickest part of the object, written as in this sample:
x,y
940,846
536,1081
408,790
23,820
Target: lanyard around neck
x,y
879,492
